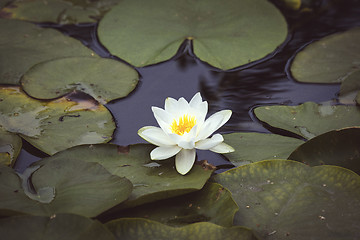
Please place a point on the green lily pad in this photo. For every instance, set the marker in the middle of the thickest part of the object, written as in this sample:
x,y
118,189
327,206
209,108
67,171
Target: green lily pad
x,y
282,199
152,180
332,59
338,147
59,226
213,204
24,44
134,229
224,34
10,146
56,125
329,60
57,11
61,186
309,119
103,79
254,147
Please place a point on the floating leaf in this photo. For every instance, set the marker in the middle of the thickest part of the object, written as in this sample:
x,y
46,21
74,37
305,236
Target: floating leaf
x,y
10,146
224,34
77,187
24,44
134,229
59,226
282,199
339,147
332,59
55,125
253,147
309,119
151,183
103,79
213,204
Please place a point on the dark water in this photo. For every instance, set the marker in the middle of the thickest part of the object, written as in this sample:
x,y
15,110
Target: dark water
x,y
265,82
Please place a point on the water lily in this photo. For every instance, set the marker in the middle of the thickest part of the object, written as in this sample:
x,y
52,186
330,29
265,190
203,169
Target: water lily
x,y
183,129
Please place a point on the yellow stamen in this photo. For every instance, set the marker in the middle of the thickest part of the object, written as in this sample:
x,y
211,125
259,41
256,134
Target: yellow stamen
x,y
185,124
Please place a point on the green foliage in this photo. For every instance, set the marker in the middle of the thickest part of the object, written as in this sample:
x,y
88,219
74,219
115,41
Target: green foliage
x,y
24,44
224,34
61,186
10,146
103,79
282,198
152,180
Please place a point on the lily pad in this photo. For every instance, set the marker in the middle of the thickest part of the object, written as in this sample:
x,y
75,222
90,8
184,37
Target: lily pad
x,y
224,34
56,125
332,59
254,147
282,199
10,146
134,229
213,204
309,119
103,79
152,180
59,226
24,44
61,186
338,147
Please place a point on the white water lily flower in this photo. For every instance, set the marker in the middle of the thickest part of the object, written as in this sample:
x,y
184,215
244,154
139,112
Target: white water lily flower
x,y
183,129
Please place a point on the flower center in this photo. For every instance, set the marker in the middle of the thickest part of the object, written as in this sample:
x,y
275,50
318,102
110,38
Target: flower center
x,y
185,124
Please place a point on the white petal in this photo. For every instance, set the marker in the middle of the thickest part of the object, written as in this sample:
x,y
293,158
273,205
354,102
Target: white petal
x,y
183,106
209,143
196,100
171,106
155,136
213,123
163,118
184,160
190,144
222,148
161,153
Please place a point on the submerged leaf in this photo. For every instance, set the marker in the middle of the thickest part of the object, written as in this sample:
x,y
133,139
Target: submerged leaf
x,y
55,125
134,229
59,226
151,182
24,44
338,147
309,119
77,187
224,34
103,79
282,199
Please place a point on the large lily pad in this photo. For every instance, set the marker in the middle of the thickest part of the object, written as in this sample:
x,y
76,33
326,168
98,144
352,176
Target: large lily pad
x,y
254,147
225,34
10,146
55,125
59,226
282,199
57,11
338,147
152,180
309,119
213,204
134,229
61,186
103,79
24,44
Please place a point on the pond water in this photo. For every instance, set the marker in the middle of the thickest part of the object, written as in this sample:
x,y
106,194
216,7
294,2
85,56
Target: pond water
x,y
265,82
